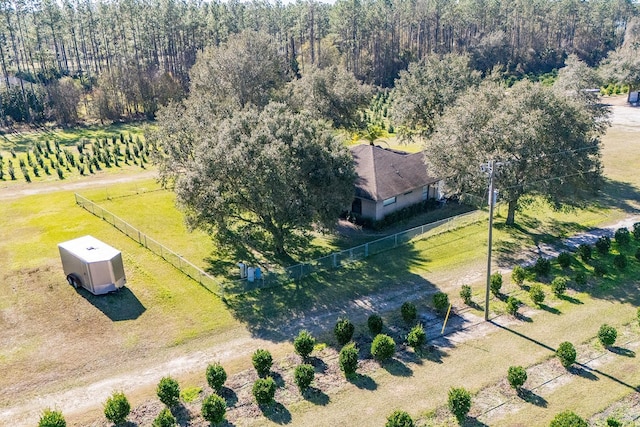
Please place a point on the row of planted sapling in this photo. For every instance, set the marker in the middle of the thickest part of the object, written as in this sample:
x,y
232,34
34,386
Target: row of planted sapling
x,y
382,346
86,157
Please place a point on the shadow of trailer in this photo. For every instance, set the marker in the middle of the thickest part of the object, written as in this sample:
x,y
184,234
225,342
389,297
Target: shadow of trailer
x,y
93,265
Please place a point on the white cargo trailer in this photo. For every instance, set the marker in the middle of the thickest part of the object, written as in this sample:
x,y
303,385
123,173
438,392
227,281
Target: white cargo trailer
x,y
92,264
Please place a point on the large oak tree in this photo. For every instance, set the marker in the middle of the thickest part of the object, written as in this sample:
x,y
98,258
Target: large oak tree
x,y
547,144
422,93
269,170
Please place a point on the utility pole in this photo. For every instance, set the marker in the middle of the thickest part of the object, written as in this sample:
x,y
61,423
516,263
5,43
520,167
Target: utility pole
x,y
489,168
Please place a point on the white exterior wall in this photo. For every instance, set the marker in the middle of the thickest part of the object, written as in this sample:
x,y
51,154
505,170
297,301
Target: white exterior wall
x,y
378,211
402,201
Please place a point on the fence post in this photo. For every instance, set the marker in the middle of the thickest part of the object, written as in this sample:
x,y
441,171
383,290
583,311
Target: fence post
x,y
351,254
366,250
395,243
335,260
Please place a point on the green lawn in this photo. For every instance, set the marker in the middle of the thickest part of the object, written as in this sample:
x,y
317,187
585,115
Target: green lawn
x,y
48,326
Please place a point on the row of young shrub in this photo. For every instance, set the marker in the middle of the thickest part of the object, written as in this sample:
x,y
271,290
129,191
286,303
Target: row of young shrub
x,y
107,152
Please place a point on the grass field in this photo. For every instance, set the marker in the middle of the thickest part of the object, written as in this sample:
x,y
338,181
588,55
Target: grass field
x,y
53,336
47,327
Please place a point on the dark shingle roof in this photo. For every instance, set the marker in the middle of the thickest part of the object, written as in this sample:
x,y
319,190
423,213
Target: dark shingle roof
x,y
384,173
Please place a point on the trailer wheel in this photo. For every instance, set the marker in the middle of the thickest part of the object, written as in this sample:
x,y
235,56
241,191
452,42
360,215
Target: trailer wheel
x,y
73,281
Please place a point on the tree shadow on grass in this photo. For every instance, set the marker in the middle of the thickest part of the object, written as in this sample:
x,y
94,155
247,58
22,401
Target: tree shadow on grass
x,y
622,351
549,309
183,417
570,299
364,382
474,305
229,396
276,412
473,422
583,372
533,398
523,317
316,396
618,194
318,364
276,312
397,368
278,379
432,354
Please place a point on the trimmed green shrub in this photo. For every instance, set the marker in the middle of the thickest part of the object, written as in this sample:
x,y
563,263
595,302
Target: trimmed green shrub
x,y
383,347
168,391
603,244
409,312
622,236
214,408
536,293
585,252
512,305
303,375
343,331
51,418
416,337
165,419
216,376
304,343
566,352
580,278
636,230
399,419
117,408
517,376
542,267
264,390
607,335
440,302
518,275
495,283
262,362
564,259
612,422
568,419
459,402
620,261
559,285
599,270
374,322
465,294
348,359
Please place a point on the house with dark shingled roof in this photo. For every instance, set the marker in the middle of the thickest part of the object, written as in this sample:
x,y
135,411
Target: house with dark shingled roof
x,y
389,180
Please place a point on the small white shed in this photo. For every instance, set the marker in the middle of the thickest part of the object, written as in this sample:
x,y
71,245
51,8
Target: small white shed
x,y
92,264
